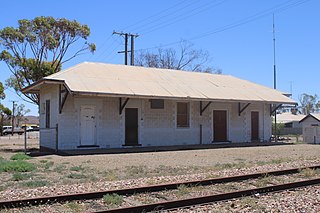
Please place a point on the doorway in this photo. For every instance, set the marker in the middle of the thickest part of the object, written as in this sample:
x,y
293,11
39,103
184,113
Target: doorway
x,y
131,126
87,125
220,125
254,126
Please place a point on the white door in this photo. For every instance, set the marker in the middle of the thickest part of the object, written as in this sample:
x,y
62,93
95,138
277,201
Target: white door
x,y
87,125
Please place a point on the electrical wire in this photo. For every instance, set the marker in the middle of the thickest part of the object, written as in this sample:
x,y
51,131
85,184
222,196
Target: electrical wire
x,y
135,24
276,9
177,19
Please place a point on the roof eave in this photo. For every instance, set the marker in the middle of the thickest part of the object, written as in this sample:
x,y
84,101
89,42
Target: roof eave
x,y
307,116
35,87
102,94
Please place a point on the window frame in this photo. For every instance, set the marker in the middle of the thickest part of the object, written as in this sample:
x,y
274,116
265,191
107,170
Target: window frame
x,y
47,114
186,114
154,102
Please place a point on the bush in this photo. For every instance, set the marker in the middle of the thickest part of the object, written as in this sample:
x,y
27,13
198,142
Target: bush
x,y
77,168
16,166
20,176
76,176
20,156
113,199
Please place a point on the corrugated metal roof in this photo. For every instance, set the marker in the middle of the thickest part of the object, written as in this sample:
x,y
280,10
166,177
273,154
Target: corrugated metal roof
x,y
289,117
316,116
111,79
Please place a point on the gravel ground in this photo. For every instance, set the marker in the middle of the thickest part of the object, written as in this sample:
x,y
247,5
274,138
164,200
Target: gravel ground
x,y
183,166
300,200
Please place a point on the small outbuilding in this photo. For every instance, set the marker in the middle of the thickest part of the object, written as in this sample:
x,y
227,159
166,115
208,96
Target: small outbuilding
x,y
101,106
291,123
311,128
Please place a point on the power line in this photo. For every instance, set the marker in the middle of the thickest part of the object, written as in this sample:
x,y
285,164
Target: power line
x,y
155,15
141,21
170,16
114,42
186,15
276,9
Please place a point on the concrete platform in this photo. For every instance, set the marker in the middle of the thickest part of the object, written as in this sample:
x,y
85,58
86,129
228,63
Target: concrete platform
x,y
156,148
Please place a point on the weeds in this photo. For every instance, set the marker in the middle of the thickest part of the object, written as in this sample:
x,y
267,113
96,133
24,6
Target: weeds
x,y
20,156
136,170
230,165
309,172
183,190
74,207
76,176
16,166
111,176
113,199
46,164
264,181
59,168
35,184
77,168
20,176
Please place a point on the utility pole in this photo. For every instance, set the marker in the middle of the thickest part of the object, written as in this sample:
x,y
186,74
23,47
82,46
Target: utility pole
x,y
274,76
12,117
126,37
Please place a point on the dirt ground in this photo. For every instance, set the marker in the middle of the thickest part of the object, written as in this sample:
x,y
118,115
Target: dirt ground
x,y
51,170
9,145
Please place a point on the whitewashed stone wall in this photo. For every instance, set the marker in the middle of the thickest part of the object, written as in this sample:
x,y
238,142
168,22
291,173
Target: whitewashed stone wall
x,y
157,127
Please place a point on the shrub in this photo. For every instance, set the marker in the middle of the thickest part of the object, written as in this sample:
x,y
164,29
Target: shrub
x,y
20,176
59,168
77,168
113,199
20,156
16,166
76,176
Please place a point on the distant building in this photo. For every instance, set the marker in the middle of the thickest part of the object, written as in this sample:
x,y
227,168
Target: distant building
x,y
291,123
311,128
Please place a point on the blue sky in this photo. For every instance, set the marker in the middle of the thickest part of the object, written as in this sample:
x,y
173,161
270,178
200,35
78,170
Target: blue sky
x,y
236,33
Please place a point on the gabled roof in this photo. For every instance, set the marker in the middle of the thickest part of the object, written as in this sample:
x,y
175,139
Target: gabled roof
x,y
315,116
132,81
289,117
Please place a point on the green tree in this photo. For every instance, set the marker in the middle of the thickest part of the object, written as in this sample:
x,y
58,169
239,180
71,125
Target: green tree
x,y
21,111
309,103
5,113
2,95
39,47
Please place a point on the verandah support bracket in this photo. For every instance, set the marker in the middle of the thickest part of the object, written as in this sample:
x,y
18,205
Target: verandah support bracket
x,y
274,108
62,98
122,106
243,108
202,109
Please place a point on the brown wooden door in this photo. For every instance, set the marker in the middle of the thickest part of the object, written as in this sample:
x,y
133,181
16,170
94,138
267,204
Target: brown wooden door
x,y
254,126
220,125
131,126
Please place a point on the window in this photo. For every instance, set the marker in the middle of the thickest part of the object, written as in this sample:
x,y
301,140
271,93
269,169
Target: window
x,y
157,104
47,113
288,125
183,114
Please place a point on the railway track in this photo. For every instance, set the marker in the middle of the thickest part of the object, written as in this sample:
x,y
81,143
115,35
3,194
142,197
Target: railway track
x,y
175,203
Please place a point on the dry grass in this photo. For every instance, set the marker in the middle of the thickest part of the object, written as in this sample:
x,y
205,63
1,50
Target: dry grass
x,y
61,170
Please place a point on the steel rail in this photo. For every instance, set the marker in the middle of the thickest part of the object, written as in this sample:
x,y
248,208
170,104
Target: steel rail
x,y
152,188
211,198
